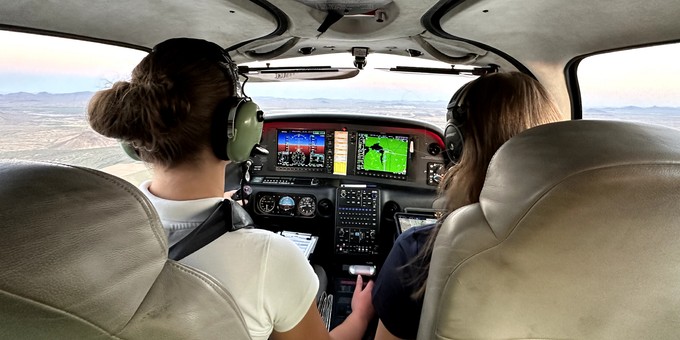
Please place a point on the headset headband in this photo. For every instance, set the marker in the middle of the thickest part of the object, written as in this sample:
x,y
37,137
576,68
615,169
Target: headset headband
x,y
458,107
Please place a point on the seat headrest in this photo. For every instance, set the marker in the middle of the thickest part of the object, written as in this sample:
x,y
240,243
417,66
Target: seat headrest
x,y
536,160
78,240
576,236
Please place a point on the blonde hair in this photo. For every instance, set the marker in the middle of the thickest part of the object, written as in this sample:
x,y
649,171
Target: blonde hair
x,y
499,106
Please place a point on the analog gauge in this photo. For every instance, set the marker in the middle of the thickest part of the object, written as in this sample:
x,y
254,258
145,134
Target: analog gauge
x,y
298,158
266,204
286,203
306,206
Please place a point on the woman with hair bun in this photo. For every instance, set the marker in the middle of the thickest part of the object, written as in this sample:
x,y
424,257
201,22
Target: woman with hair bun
x,y
172,112
491,109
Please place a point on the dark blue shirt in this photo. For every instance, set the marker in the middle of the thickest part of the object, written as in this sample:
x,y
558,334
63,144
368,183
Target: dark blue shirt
x,y
393,288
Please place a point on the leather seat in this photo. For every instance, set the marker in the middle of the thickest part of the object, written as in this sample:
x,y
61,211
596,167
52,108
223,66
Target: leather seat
x,y
576,235
84,256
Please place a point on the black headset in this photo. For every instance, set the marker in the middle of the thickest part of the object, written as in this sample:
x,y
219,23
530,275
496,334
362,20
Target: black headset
x,y
237,121
456,116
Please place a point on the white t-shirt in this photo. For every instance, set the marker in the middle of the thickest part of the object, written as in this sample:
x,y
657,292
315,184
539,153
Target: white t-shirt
x,y
267,274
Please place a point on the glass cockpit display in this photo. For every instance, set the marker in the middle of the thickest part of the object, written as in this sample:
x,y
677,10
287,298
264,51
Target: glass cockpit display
x,y
301,148
382,153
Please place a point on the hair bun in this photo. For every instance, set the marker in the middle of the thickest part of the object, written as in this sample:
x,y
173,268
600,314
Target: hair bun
x,y
143,113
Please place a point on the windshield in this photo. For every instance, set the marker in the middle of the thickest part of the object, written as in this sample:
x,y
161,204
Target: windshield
x,y
48,82
374,91
46,85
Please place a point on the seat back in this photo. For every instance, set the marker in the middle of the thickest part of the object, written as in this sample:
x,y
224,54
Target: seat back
x,y
576,235
84,256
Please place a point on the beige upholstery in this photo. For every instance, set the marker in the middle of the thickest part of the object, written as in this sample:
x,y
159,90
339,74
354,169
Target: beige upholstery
x,y
84,257
576,235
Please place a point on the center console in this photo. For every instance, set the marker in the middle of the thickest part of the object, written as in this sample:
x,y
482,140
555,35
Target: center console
x,y
357,221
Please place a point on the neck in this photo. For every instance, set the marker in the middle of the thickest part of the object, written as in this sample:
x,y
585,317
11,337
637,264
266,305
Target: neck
x,y
202,179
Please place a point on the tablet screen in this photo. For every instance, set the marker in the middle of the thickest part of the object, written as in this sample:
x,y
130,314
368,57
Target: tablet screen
x,y
405,221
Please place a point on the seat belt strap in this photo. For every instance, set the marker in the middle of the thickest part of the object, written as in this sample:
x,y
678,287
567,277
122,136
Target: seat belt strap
x,y
226,217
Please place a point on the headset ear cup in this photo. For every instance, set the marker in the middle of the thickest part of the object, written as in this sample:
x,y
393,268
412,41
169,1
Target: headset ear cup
x,y
130,150
247,131
220,127
453,138
456,116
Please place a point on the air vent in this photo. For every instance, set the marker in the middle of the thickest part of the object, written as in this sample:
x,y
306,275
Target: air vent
x,y
434,149
389,209
325,207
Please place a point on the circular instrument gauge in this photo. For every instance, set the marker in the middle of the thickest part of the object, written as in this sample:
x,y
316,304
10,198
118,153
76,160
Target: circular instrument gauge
x,y
298,158
286,203
306,206
266,204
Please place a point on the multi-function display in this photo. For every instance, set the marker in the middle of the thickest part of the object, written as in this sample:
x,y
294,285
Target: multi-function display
x,y
385,153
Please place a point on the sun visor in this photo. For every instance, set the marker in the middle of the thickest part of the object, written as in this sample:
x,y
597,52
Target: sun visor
x,y
293,73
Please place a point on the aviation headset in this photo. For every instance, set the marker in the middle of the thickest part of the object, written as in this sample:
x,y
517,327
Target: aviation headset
x,y
237,121
456,116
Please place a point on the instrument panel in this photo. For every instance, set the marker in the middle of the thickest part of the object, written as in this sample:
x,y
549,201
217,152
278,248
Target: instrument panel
x,y
402,155
285,204
343,177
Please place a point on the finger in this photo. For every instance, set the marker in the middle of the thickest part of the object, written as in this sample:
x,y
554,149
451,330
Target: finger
x,y
369,285
228,194
359,284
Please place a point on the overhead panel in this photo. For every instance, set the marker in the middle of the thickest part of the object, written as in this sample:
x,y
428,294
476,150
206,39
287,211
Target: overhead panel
x,y
223,22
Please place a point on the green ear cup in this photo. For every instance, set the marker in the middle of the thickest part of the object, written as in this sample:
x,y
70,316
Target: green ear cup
x,y
130,150
247,132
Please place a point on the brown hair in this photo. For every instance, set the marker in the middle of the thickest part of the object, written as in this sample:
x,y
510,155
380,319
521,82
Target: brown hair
x,y
499,106
166,109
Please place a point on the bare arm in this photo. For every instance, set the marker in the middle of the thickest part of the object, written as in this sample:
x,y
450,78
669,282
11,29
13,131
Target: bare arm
x,y
312,327
356,323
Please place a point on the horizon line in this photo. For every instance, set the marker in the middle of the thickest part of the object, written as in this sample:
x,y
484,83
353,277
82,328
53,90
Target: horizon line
x,y
341,99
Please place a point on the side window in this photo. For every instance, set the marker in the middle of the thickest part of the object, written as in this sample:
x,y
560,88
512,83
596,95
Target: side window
x,y
46,85
641,85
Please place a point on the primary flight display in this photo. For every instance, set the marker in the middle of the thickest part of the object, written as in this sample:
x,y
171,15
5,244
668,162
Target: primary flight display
x,y
301,148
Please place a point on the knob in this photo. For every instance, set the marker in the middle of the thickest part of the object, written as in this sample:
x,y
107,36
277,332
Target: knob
x,y
437,178
437,173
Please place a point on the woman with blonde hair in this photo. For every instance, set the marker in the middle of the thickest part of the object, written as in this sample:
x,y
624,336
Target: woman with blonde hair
x,y
183,113
482,115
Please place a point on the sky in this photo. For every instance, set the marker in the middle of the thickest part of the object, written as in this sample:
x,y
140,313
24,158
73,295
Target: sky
x,y
643,77
32,63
